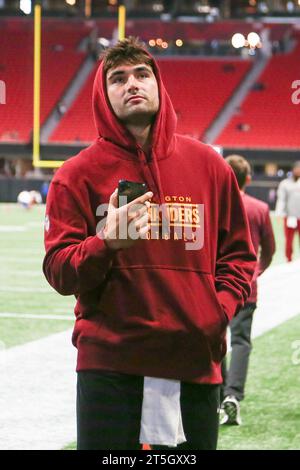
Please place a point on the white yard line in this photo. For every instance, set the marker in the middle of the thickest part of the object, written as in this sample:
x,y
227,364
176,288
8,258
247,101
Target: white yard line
x,y
35,224
23,273
36,316
20,259
279,297
12,228
25,289
38,382
4,253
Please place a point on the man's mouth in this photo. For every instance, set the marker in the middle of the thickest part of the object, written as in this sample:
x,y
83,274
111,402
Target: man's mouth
x,y
135,98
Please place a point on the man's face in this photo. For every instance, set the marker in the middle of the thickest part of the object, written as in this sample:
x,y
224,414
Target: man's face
x,y
133,93
296,172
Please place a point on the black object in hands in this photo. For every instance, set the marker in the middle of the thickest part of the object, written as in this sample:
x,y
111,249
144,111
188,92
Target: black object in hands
x,y
131,190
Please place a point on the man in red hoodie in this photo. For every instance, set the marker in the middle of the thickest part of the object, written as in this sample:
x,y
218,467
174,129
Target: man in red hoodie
x,y
152,306
240,326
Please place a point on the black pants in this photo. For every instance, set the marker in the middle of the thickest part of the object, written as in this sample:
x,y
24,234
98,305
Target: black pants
x,y
109,409
234,379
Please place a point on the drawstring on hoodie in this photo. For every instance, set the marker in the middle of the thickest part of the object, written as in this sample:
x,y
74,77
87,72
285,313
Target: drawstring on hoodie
x,y
147,174
155,179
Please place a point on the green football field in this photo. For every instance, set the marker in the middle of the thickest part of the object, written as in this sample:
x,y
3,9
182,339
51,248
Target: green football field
x,y
31,309
271,409
24,290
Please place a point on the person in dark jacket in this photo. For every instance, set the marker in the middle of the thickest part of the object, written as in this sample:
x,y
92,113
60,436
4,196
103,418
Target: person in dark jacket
x,y
240,326
156,280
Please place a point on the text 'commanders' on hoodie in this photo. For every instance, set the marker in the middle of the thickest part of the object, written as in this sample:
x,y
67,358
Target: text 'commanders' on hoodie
x,y
156,309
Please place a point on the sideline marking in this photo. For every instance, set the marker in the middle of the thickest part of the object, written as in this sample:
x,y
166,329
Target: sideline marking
x,y
36,316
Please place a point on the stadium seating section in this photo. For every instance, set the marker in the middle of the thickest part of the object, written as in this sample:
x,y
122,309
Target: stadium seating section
x,y
268,115
202,86
197,97
60,61
77,124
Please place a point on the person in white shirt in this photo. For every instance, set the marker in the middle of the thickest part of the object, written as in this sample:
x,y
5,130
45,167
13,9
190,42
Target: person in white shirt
x,y
288,207
27,199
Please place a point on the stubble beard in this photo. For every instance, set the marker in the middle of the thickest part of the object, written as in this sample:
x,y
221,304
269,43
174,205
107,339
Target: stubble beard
x,y
140,118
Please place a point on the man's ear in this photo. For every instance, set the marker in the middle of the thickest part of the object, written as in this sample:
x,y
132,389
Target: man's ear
x,y
248,179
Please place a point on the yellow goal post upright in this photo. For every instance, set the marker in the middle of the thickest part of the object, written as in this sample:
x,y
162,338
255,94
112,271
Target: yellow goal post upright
x,y
36,160
121,21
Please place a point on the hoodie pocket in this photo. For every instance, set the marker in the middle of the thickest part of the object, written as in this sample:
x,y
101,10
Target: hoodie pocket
x,y
217,341
173,306
215,296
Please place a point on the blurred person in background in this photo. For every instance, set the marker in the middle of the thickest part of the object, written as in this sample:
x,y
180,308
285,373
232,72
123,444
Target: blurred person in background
x,y
234,380
28,199
288,207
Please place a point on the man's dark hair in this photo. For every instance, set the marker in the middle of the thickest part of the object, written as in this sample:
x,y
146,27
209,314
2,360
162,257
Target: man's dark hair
x,y
241,168
126,51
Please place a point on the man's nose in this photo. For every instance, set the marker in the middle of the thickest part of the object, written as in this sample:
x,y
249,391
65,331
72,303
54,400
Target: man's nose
x,y
132,83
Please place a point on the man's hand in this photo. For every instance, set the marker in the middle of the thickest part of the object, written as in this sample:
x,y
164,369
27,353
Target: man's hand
x,y
127,224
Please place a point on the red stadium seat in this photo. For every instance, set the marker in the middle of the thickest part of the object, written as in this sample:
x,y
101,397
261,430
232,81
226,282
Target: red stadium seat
x,y
60,61
271,117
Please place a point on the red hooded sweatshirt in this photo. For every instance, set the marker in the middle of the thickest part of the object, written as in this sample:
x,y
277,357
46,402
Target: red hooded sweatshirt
x,y
156,309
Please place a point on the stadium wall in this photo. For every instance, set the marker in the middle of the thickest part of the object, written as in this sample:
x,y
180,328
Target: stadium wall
x,y
262,187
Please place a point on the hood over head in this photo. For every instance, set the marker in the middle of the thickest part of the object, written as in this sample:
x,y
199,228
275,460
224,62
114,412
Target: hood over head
x,y
110,128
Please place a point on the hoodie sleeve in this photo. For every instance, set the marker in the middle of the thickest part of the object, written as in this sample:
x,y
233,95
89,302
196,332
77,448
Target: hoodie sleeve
x,y
267,243
236,258
74,262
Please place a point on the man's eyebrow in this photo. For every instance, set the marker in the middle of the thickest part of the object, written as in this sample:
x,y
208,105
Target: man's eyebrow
x,y
116,72
140,68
